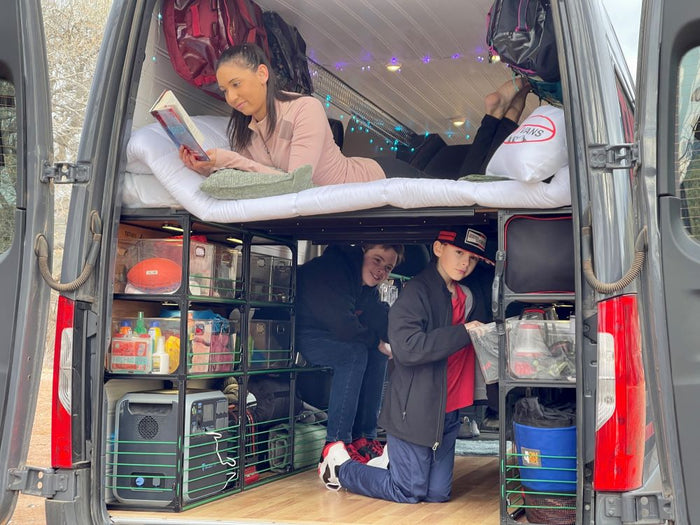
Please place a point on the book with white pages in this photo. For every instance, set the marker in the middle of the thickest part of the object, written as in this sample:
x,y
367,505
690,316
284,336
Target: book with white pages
x,y
170,113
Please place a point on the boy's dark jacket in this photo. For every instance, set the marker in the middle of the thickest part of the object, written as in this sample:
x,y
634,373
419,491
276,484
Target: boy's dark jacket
x,y
422,337
330,296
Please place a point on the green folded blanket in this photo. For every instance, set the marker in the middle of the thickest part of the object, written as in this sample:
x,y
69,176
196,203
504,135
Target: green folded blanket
x,y
482,178
231,183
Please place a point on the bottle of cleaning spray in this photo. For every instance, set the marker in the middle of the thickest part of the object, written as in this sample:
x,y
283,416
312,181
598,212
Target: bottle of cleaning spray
x,y
161,360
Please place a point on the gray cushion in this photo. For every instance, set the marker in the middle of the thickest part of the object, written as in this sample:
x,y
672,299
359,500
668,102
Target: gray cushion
x,y
231,183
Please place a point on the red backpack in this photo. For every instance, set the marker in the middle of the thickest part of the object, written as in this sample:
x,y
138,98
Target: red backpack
x,y
198,31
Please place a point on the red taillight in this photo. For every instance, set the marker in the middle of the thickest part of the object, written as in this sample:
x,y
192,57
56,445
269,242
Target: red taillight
x,y
620,400
61,434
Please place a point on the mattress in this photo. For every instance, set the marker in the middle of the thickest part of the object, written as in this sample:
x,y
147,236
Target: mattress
x,y
155,177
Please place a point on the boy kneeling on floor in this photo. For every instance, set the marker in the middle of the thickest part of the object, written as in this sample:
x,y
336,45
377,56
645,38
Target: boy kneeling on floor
x,y
431,379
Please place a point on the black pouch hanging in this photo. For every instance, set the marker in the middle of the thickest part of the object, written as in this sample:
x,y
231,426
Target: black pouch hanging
x,y
521,33
539,254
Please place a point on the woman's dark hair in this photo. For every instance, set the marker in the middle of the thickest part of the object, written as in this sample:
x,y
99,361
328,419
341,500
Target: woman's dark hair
x,y
251,56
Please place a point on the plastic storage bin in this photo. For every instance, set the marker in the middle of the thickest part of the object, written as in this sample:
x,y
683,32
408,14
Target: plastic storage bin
x,y
260,275
134,353
271,342
212,347
541,349
281,280
270,278
228,274
154,266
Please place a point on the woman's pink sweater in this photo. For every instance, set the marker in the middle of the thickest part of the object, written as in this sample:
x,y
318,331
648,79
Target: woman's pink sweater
x,y
302,136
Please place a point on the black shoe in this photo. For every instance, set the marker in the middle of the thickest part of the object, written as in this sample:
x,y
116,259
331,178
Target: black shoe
x,y
490,423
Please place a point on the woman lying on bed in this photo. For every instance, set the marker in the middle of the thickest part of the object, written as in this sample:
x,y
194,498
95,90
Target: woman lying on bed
x,y
272,130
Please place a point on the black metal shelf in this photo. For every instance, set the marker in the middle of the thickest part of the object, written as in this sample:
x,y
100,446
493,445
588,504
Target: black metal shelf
x,y
196,365
510,384
513,493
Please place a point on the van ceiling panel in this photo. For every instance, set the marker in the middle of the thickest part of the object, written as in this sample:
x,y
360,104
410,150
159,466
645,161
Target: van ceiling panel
x,y
440,44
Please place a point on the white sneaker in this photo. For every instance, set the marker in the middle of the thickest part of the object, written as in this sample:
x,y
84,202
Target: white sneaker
x,y
474,428
334,455
468,429
381,461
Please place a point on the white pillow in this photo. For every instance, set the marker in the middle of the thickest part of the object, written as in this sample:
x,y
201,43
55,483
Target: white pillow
x,y
148,140
535,151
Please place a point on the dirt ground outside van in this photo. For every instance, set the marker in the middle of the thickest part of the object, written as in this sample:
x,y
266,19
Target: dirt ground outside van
x,y
30,509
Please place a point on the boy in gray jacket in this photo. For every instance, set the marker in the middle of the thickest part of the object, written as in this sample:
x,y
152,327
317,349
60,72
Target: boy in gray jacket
x,y
431,379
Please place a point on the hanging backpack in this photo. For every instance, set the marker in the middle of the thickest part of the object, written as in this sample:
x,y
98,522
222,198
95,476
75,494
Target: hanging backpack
x,y
198,31
287,54
521,33
246,19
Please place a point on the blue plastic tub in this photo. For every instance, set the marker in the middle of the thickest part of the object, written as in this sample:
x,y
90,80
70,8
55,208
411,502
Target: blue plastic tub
x,y
547,457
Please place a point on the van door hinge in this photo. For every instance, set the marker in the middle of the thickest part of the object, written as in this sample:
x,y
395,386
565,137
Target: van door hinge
x,y
638,509
43,482
604,156
67,173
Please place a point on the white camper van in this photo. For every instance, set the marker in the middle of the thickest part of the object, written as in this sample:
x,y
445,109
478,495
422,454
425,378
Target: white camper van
x,y
168,427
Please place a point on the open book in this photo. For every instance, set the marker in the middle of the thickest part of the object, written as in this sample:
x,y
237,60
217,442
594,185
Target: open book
x,y
177,123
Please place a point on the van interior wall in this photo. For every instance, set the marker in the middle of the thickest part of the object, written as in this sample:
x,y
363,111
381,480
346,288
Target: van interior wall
x,y
158,74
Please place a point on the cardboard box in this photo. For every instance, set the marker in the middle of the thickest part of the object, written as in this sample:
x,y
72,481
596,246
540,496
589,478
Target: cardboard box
x,y
130,355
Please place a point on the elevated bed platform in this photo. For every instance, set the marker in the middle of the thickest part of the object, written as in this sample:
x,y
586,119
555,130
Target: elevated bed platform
x,y
156,178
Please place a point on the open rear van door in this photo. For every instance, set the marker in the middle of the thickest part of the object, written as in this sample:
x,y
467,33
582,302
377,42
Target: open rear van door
x,y
669,130
26,209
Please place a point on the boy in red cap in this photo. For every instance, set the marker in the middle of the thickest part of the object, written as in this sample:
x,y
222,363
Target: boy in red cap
x,y
432,377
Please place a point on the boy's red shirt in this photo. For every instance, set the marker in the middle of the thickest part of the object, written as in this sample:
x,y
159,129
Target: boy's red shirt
x,y
460,365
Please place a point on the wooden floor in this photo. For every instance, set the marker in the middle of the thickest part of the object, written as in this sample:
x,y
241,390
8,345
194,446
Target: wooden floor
x,y
303,499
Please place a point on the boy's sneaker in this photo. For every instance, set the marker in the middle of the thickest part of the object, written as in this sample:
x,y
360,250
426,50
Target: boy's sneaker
x,y
355,454
334,455
468,429
381,461
368,448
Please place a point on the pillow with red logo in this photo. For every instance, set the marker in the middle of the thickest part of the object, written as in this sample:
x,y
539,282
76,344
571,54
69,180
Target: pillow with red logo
x,y
535,151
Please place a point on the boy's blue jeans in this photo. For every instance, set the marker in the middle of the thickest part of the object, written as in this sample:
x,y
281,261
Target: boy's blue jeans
x,y
416,473
356,386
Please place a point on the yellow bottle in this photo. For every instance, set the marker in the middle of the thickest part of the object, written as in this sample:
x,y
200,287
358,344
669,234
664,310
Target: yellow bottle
x,y
172,348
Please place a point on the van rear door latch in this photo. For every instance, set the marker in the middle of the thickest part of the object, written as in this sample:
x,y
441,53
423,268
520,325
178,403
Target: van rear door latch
x,y
605,156
66,172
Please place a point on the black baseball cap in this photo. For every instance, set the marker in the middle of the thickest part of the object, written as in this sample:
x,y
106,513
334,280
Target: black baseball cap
x,y
467,239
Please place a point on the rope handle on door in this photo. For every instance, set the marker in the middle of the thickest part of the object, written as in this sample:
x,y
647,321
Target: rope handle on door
x,y
41,249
